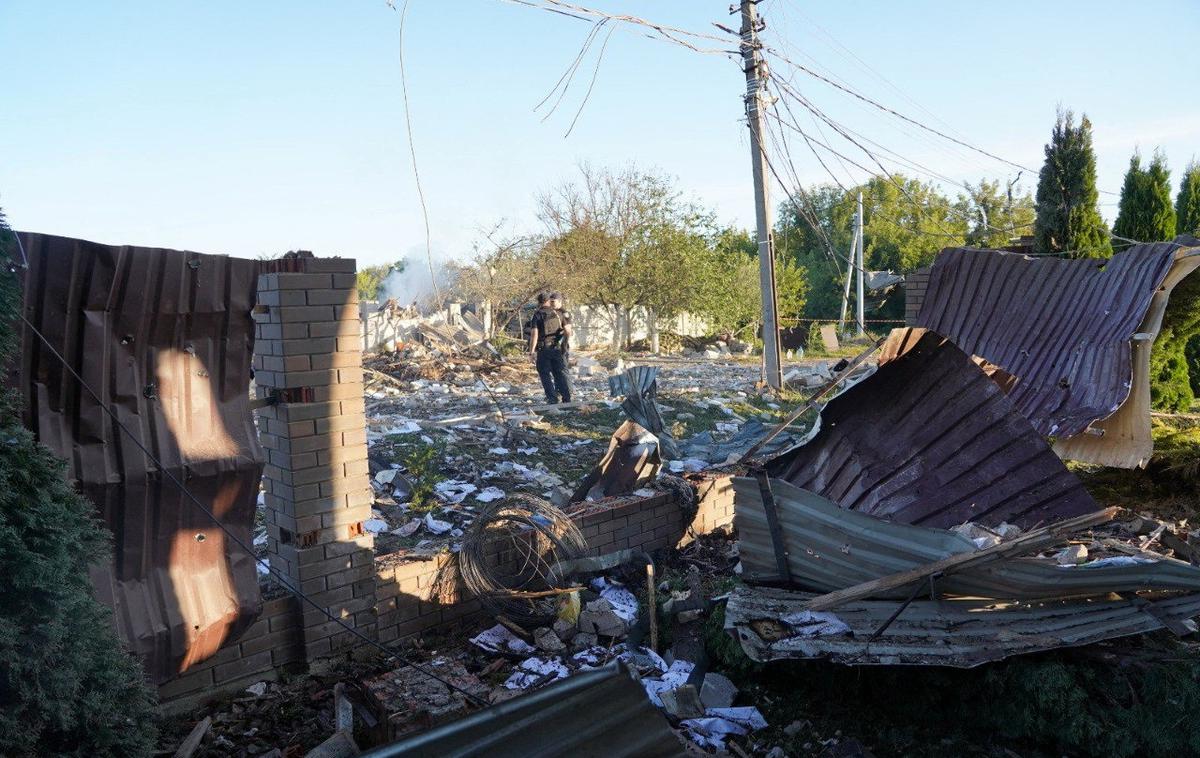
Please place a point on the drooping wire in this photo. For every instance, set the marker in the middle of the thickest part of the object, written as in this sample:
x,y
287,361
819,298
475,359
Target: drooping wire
x,y
412,151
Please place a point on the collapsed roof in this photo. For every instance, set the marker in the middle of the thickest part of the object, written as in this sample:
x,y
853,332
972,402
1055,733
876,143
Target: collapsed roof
x,y
1064,328
930,439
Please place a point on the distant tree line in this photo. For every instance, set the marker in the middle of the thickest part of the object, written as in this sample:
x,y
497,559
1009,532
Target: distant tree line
x,y
628,238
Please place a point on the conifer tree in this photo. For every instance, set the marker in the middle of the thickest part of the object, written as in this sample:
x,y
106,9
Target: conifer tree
x,y
1146,213
1068,219
66,686
1187,202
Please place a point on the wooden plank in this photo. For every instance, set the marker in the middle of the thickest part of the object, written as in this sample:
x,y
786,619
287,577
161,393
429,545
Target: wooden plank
x,y
1023,545
192,741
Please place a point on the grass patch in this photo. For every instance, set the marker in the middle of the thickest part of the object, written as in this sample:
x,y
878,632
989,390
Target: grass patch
x,y
1167,488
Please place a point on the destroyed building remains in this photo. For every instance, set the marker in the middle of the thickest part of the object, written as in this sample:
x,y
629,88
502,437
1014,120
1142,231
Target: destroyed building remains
x,y
924,517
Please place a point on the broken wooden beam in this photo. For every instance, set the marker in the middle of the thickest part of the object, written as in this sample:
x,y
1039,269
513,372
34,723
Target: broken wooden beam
x,y
192,741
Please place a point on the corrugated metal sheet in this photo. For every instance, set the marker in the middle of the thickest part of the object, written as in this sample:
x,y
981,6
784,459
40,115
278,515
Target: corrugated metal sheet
x,y
960,633
1125,439
831,549
165,338
930,439
1062,327
632,460
639,386
600,714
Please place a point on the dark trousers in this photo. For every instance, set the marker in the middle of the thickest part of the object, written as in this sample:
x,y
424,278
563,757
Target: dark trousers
x,y
552,370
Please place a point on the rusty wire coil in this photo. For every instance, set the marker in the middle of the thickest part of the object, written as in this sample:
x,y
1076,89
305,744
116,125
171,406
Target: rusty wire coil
x,y
507,555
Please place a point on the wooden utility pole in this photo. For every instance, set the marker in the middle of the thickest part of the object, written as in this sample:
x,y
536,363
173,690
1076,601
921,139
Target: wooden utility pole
x,y
756,74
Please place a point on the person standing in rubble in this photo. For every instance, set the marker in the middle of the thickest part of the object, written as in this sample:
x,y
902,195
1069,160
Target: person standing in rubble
x,y
548,335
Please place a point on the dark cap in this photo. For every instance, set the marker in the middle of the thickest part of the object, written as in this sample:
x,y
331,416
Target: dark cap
x,y
556,296
541,298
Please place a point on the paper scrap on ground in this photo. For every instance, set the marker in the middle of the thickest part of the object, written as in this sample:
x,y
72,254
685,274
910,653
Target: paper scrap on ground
x,y
489,494
500,639
719,723
676,674
376,525
624,603
535,669
409,529
453,490
436,526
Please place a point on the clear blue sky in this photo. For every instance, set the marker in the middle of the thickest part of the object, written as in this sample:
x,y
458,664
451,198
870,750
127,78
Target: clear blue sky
x,y
250,128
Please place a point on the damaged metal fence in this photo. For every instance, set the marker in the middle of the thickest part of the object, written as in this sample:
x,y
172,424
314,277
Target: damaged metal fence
x,y
165,338
923,505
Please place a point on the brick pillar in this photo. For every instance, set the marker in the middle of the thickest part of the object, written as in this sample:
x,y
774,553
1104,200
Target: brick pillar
x,y
308,356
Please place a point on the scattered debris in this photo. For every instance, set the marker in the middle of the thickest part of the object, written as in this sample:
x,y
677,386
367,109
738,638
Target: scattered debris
x,y
631,461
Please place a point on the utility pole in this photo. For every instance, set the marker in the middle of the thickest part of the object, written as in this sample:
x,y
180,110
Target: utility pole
x,y
859,305
756,70
851,259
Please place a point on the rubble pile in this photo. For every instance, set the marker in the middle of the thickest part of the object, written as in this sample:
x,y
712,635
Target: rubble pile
x,y
451,431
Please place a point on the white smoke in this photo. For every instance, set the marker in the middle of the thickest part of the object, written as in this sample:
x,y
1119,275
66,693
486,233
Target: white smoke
x,y
414,284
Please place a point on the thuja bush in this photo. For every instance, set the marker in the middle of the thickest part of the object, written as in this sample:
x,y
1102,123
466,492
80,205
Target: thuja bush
x,y
66,685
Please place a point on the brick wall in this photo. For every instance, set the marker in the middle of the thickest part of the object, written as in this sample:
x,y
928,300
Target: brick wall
x,y
270,646
915,284
318,491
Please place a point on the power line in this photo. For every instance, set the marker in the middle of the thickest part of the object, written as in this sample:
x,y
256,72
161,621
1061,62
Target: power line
x,y
412,151
892,111
672,34
591,84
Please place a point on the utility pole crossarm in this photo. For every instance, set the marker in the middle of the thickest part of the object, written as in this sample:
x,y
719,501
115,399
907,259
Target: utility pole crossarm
x,y
755,68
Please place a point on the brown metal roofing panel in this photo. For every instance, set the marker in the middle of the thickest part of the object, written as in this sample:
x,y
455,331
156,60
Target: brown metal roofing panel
x,y
771,625
165,338
1062,327
1124,439
829,549
930,439
593,714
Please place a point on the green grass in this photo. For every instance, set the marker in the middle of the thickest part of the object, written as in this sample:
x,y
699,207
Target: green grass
x,y
1169,486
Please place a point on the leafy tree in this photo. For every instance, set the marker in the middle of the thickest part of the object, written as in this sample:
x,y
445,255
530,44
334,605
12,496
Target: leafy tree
x,y
66,686
907,223
1187,202
626,239
730,296
1171,387
995,215
1068,219
1145,212
370,278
